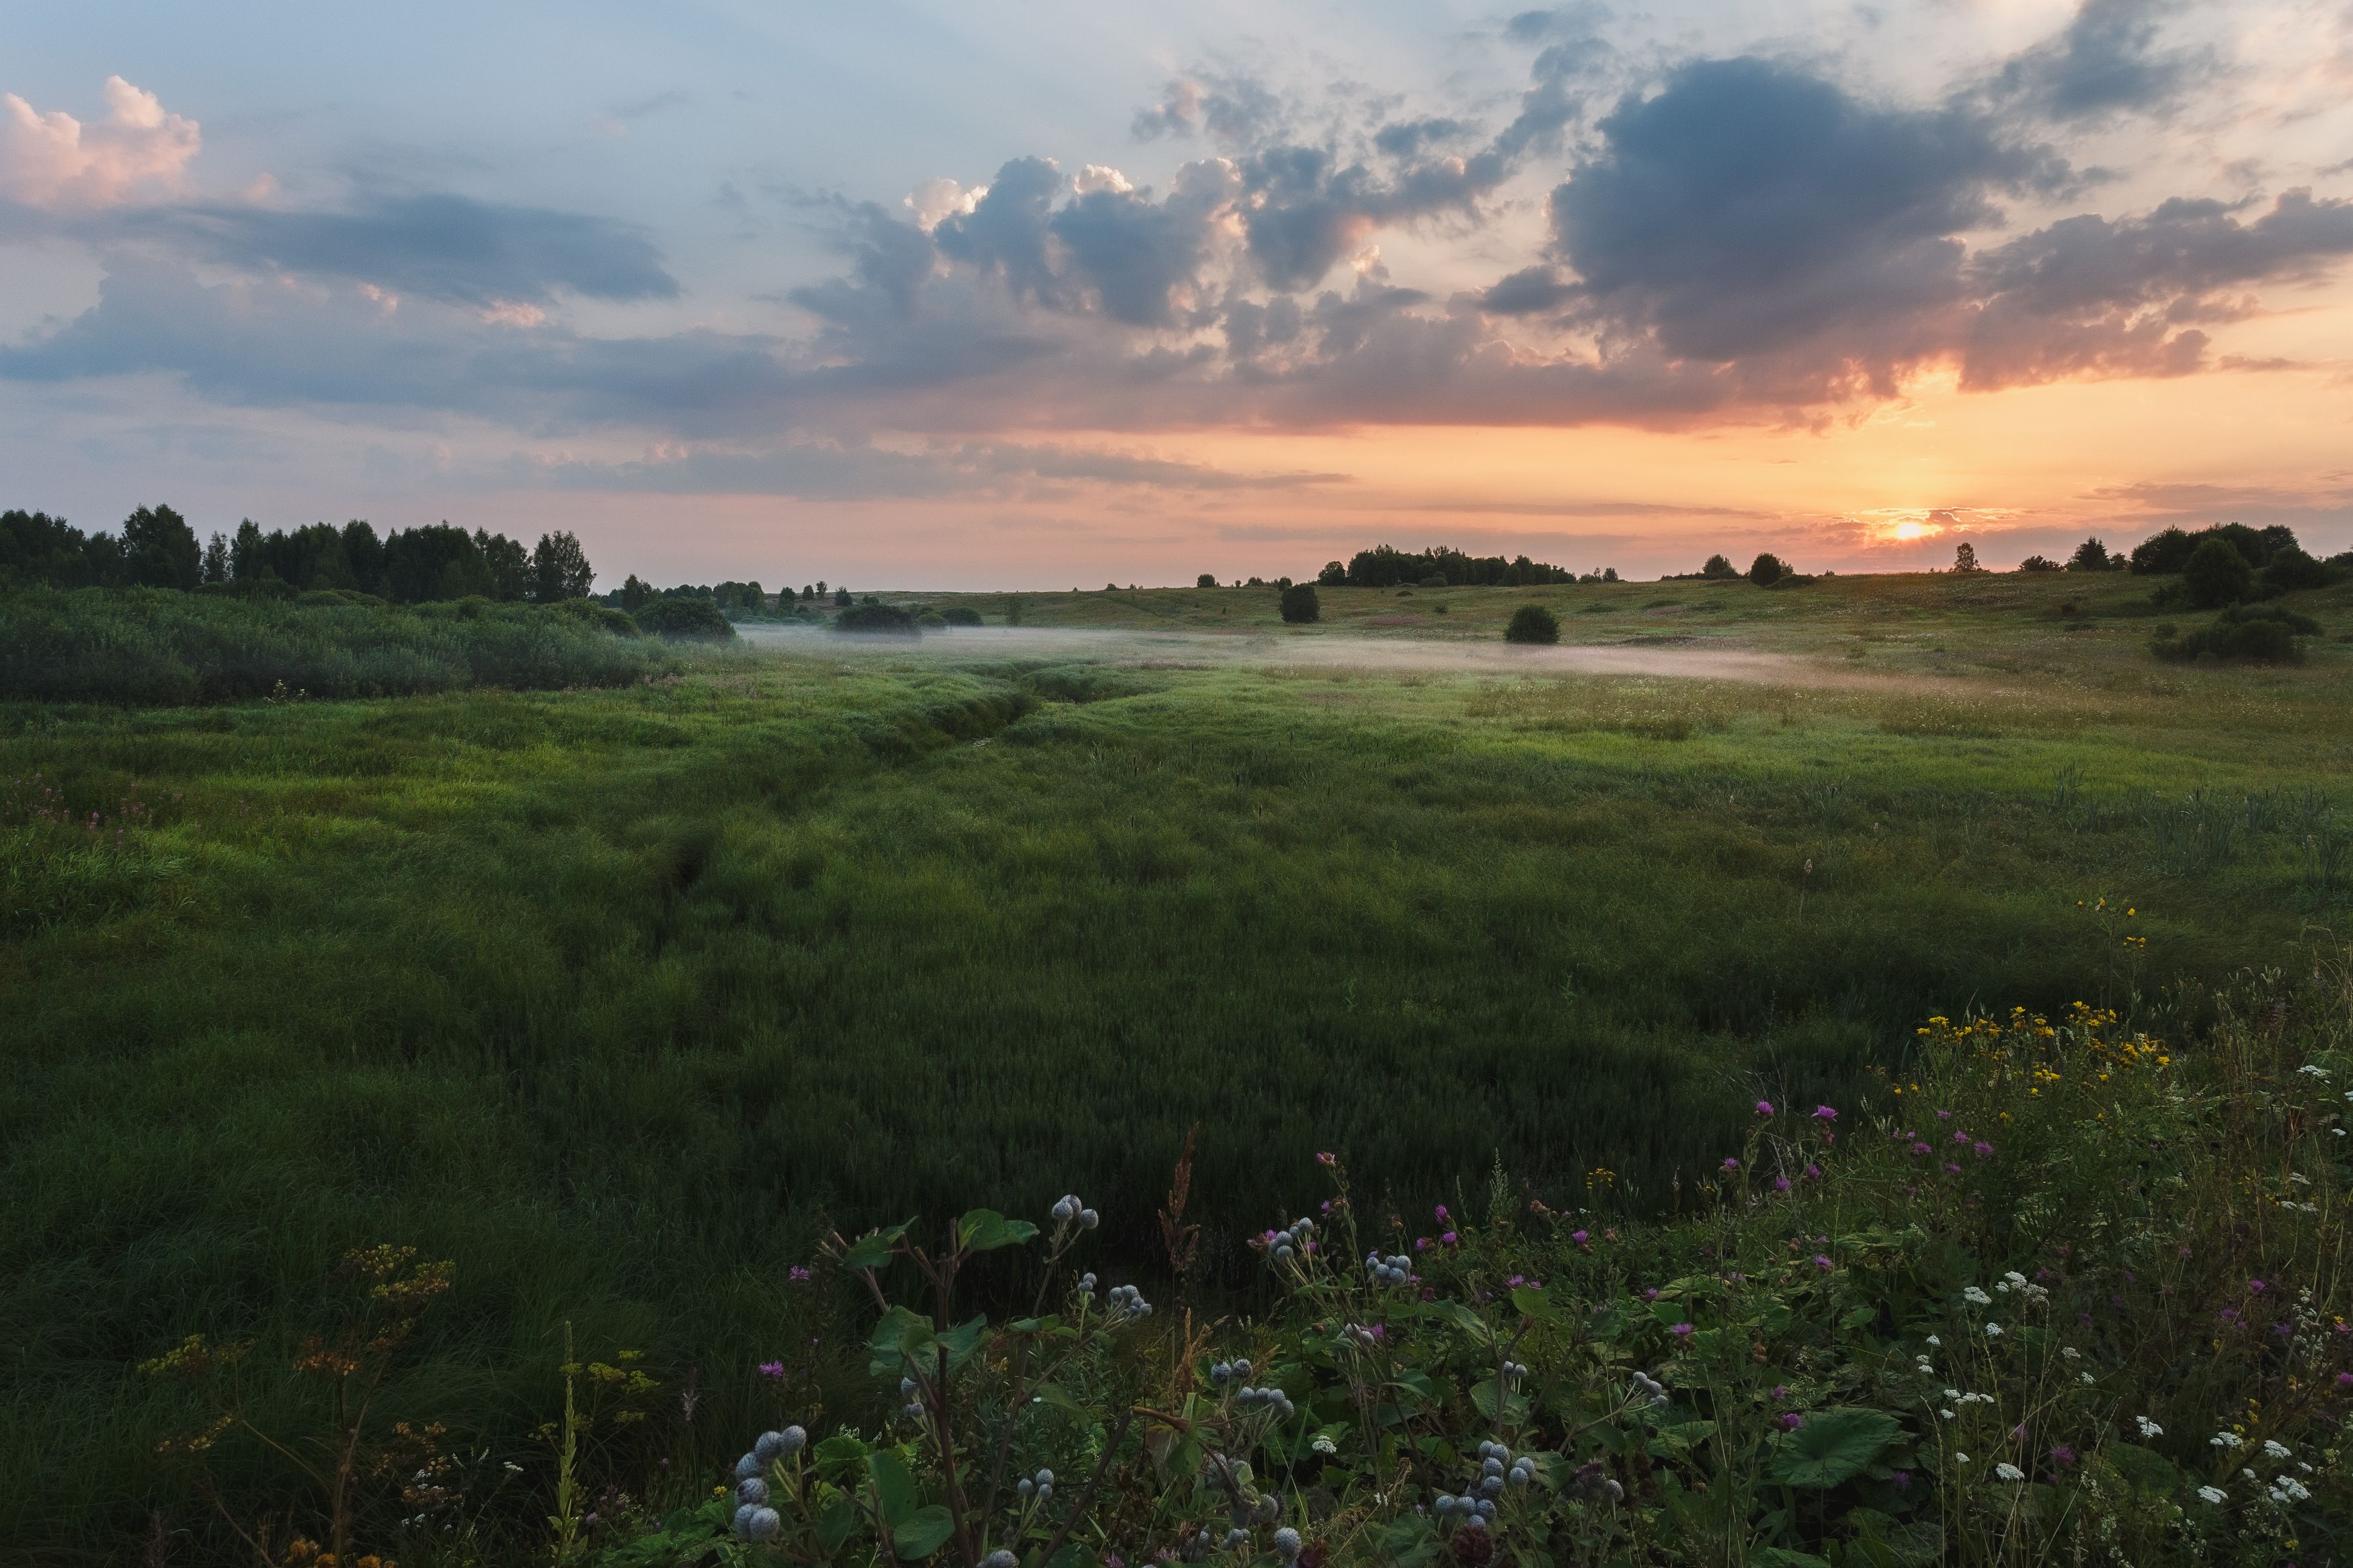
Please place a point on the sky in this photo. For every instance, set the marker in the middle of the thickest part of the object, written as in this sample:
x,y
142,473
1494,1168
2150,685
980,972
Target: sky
x,y
1039,295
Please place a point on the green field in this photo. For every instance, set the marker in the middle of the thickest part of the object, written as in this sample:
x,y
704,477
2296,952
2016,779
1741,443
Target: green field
x,y
618,997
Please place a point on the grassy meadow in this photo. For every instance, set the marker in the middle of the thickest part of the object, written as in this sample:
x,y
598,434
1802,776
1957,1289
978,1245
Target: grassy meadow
x,y
620,997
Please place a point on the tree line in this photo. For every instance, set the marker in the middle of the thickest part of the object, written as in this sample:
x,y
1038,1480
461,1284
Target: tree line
x,y
157,549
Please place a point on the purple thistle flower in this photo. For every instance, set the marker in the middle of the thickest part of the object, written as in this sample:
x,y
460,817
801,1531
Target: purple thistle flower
x,y
1681,1330
774,1370
1792,1421
797,1274
1821,1263
1813,1172
1824,1113
1448,1238
1984,1150
1764,1108
1918,1150
1730,1163
1902,1479
1781,1184
1579,1237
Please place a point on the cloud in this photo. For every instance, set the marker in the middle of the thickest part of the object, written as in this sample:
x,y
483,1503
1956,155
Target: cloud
x,y
836,470
2106,61
2088,295
1749,209
431,245
53,161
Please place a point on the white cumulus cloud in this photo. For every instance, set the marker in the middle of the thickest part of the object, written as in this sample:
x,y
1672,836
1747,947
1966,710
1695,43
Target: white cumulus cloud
x,y
54,160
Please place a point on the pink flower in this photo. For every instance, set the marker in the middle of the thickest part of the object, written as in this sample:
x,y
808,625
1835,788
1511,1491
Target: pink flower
x,y
1441,1211
1944,1116
1792,1421
1918,1150
1824,1113
1448,1238
1681,1330
1951,1169
1730,1163
1781,1184
774,1370
1813,1172
797,1274
1984,1150
1327,1159
1579,1237
1821,1263
1764,1108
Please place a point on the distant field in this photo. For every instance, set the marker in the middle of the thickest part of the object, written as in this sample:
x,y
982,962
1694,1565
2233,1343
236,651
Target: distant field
x,y
613,996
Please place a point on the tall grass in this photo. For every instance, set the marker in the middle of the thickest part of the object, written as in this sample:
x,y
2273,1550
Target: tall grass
x,y
617,998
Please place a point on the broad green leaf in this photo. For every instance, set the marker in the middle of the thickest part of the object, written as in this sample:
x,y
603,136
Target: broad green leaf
x,y
1515,1408
834,1526
2143,1469
1833,1446
1055,1394
841,1450
1410,1543
1416,1382
1044,1325
964,1339
1858,1317
1535,1300
894,1486
986,1230
899,1334
872,1250
1469,1321
923,1532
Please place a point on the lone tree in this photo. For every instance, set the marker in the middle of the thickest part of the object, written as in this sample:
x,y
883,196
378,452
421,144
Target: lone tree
x,y
1719,570
1965,558
1299,605
2216,574
1767,570
559,569
1205,581
1533,624
2092,556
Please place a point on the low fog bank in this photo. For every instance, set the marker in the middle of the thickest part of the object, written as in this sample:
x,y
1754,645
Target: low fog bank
x,y
1318,650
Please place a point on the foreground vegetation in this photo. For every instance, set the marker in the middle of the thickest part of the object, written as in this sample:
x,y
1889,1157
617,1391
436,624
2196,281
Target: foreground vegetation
x,y
621,1001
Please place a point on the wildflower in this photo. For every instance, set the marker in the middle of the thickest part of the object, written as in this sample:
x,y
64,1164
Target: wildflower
x,y
1824,1113
2149,1428
1286,1544
1935,1340
1813,1172
1681,1330
1977,1297
774,1370
1960,1458
1821,1263
1764,1108
2212,1494
1918,1150
1579,1237
2062,1456
2086,1379
2009,1471
1902,1479
2345,1380
1441,1213
1730,1163
797,1274
1983,1150
2277,1449
1781,1184
1791,1422
1326,1159
2226,1440
2257,1287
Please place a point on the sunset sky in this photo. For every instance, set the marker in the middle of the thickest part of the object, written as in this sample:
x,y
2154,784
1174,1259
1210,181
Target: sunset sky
x,y
984,295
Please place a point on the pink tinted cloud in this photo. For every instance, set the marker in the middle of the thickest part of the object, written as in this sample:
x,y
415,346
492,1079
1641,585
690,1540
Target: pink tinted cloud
x,y
56,161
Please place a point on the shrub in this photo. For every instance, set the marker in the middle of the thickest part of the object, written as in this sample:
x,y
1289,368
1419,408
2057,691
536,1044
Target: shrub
x,y
2290,570
1767,570
2249,633
1533,624
1206,580
960,616
877,620
605,617
2092,556
1719,570
2216,574
679,618
932,621
1300,605
2038,564
164,647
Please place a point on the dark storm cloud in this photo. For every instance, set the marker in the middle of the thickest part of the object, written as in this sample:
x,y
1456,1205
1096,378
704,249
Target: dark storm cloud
x,y
434,245
1748,207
